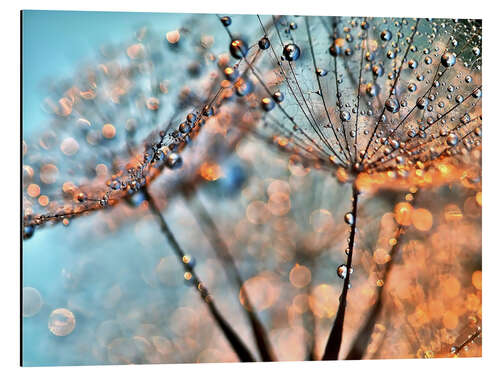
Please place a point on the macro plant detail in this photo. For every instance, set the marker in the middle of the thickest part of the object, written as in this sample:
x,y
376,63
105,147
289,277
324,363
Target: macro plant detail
x,y
330,165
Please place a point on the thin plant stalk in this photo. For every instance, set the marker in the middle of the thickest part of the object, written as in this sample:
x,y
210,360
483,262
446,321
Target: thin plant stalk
x,y
362,339
234,340
335,339
210,230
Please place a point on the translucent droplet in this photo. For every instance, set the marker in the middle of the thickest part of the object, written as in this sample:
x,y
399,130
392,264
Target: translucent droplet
x,y
422,102
28,231
32,302
238,49
264,43
412,64
452,139
267,104
345,116
342,271
386,35
226,21
174,160
291,52
448,59
392,105
372,89
61,322
278,97
349,218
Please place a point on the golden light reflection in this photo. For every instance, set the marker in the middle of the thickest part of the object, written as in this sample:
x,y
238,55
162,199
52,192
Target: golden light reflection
x,y
262,291
210,171
323,301
300,276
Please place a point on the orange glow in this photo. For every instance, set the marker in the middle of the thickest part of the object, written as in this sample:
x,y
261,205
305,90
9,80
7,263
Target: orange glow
x,y
65,107
450,320
402,213
479,198
279,204
324,301
257,212
108,131
262,291
422,219
321,221
342,175
153,104
33,190
451,286
135,51
452,213
210,171
300,276
173,36
43,200
477,278
380,256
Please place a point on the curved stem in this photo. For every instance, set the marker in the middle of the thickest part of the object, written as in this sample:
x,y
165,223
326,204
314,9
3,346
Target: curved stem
x,y
362,339
210,230
234,340
335,339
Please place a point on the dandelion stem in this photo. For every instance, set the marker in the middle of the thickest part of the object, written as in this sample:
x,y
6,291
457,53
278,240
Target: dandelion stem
x,y
210,230
362,339
335,339
468,341
234,340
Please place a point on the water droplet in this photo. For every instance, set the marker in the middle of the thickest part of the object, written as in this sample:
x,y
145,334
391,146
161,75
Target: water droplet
x,y
226,21
448,59
264,43
32,302
349,218
386,35
422,102
345,116
28,231
174,160
336,47
267,104
342,271
291,52
392,105
278,96
378,70
231,74
321,72
61,322
372,89
238,49
452,139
